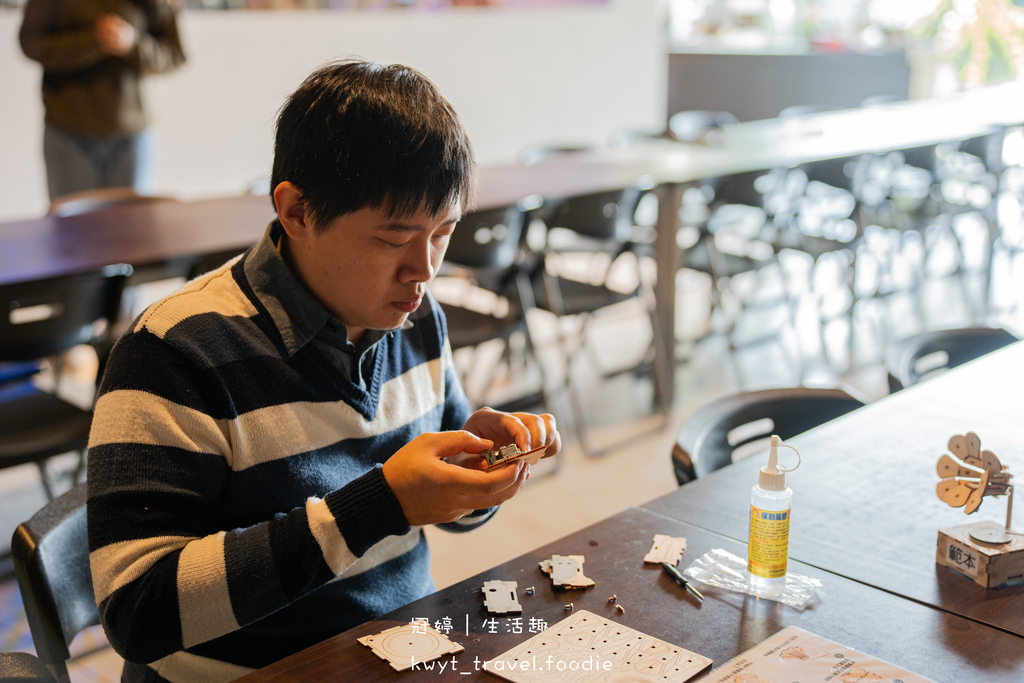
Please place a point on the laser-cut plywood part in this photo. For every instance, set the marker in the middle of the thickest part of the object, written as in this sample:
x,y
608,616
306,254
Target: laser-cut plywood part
x,y
499,457
666,549
410,644
566,571
585,646
970,474
500,597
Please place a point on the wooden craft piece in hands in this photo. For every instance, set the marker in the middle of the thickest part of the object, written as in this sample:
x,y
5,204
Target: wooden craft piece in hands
x,y
499,457
566,571
666,549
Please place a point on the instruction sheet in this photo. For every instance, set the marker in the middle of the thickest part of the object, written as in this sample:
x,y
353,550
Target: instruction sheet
x,y
794,654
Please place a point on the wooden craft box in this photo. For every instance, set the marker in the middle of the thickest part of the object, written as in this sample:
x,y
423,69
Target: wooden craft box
x,y
992,566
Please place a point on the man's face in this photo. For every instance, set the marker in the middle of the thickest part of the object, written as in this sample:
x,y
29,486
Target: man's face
x,y
371,270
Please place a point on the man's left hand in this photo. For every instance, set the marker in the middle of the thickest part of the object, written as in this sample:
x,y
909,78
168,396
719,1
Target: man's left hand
x,y
526,430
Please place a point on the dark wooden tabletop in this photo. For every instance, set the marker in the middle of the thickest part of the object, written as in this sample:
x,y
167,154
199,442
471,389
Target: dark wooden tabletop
x,y
864,501
925,641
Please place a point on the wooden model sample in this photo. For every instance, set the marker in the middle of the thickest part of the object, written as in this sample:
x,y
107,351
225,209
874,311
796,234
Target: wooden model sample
x,y
977,473
988,553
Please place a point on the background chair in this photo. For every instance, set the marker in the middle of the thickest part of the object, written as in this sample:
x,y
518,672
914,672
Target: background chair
x,y
51,561
696,125
728,227
536,154
148,283
41,320
736,239
485,294
21,667
926,354
743,423
592,262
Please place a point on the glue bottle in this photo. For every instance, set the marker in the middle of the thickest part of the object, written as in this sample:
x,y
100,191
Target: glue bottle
x,y
770,503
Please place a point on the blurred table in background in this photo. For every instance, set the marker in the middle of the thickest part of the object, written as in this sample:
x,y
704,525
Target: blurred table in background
x,y
163,238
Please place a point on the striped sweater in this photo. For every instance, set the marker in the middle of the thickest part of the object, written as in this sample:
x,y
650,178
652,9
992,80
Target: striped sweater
x,y
237,509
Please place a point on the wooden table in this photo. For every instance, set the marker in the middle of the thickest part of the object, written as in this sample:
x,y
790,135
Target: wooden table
x,y
162,237
864,502
159,237
926,641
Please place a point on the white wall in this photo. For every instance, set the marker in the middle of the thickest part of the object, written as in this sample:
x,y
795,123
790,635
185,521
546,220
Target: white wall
x,y
517,77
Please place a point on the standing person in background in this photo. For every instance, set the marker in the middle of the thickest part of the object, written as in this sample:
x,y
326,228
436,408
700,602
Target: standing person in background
x,y
95,56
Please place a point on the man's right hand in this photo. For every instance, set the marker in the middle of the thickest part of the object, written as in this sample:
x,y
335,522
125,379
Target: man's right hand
x,y
432,491
115,35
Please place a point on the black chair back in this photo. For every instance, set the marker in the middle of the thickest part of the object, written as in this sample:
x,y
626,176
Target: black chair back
x,y
486,239
605,216
741,188
696,125
743,422
45,317
51,561
925,156
929,353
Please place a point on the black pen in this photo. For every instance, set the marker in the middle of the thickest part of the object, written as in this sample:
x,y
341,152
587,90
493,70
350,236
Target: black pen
x,y
675,574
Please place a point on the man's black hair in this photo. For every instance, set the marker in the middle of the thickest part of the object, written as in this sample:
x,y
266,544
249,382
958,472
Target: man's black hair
x,y
358,134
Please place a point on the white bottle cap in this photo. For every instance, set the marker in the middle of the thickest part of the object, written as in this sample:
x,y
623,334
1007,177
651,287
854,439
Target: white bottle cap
x,y
773,477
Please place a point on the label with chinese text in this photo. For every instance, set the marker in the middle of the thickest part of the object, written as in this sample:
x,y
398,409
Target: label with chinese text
x,y
768,552
963,557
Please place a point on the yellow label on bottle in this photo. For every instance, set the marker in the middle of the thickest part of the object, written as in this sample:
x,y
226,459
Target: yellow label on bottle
x,y
768,550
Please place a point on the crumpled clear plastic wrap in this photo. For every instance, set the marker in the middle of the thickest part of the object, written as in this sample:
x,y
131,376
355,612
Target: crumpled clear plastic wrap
x,y
722,569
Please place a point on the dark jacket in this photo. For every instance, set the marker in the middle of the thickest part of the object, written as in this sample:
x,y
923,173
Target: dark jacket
x,y
89,92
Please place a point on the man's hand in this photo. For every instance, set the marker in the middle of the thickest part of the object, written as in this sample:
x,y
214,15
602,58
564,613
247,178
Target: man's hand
x,y
115,35
526,430
432,491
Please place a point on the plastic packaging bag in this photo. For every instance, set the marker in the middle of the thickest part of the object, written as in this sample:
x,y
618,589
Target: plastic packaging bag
x,y
722,569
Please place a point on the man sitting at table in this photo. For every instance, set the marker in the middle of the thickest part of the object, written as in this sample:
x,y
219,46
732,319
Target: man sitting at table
x,y
269,440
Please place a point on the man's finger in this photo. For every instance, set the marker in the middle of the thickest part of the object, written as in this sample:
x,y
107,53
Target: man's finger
x,y
448,444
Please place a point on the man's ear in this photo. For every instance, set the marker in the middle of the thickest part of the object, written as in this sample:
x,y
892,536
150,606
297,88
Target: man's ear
x,y
291,211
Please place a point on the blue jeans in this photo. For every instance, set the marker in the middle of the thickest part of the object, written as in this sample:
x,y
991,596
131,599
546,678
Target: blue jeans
x,y
84,162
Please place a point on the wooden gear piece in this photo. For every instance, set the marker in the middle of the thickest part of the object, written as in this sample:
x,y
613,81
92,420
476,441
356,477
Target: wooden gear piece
x,y
410,644
971,475
566,571
500,597
666,549
499,457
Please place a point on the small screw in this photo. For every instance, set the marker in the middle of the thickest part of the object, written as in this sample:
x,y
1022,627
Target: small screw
x,y
622,610
529,591
613,598
568,608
